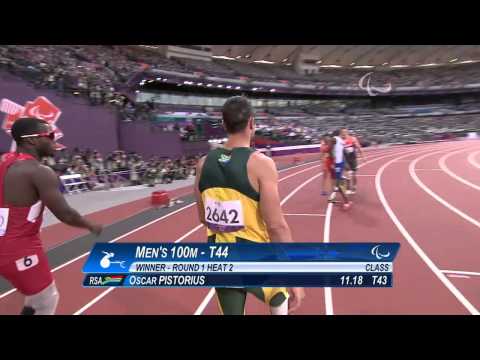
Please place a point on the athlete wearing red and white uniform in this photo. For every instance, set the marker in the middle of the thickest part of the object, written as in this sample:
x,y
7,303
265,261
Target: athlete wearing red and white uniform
x,y
351,148
328,168
26,187
22,260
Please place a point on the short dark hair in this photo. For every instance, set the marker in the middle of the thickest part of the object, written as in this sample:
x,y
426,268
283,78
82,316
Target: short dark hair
x,y
236,112
26,126
336,133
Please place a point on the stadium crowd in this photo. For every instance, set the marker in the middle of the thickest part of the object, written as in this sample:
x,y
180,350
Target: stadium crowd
x,y
99,71
101,74
120,168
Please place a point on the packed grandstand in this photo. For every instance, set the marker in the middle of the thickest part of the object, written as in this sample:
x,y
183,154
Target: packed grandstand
x,y
180,98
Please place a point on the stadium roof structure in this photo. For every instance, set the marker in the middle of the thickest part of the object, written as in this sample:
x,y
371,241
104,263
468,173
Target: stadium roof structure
x,y
354,56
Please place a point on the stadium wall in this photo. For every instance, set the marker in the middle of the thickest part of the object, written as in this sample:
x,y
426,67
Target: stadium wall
x,y
147,139
84,126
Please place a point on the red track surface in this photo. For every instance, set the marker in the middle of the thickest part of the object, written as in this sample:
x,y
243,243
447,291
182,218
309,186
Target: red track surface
x,y
435,235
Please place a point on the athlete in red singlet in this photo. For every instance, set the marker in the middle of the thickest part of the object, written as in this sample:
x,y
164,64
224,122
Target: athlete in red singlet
x,y
26,187
328,173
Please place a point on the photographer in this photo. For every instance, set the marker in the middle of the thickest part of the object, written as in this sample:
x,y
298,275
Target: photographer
x,y
151,174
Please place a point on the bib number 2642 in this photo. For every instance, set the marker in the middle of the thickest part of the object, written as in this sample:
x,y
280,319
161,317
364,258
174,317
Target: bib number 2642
x,y
224,216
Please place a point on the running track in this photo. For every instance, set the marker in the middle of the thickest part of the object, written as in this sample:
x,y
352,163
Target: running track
x,y
423,196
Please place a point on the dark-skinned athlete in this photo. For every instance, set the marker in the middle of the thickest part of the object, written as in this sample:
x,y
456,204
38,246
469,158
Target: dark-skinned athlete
x,y
26,188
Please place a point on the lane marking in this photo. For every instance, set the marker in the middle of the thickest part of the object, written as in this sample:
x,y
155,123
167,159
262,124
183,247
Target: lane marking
x,y
431,265
326,239
11,291
444,167
411,170
472,161
326,236
205,302
461,272
95,300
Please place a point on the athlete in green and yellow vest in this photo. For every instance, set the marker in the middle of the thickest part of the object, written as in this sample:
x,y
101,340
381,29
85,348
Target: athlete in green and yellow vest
x,y
231,204
232,215
237,199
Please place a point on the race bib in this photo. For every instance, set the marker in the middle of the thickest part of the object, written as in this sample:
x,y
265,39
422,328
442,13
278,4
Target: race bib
x,y
349,150
224,216
3,220
27,262
34,212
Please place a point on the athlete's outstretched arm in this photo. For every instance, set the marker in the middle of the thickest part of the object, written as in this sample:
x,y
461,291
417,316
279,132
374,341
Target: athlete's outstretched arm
x,y
270,207
198,196
47,185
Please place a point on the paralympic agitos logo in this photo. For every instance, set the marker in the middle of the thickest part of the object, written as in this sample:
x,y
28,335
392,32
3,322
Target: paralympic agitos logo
x,y
40,108
376,252
365,84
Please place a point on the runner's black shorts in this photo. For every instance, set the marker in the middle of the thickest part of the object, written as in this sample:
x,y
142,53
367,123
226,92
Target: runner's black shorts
x,y
351,161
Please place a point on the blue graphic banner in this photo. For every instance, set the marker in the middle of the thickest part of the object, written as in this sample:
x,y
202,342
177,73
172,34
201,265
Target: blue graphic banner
x,y
369,280
107,258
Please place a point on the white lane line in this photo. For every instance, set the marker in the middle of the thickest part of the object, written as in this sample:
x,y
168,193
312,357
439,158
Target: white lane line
x,y
196,228
297,173
11,291
326,239
444,167
431,265
461,272
411,170
298,188
459,276
472,161
205,302
95,300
